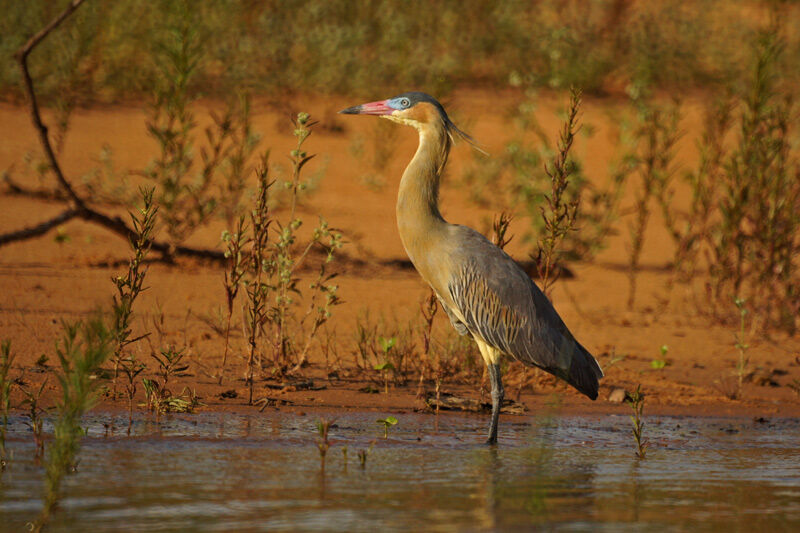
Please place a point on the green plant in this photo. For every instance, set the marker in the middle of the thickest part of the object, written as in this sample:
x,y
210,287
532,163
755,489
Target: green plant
x,y
287,260
160,398
560,212
743,221
61,236
552,44
692,229
323,428
34,414
532,184
386,423
364,454
83,349
662,362
386,365
758,234
321,289
429,306
131,284
741,346
500,226
235,243
188,200
272,268
131,368
235,166
654,151
6,359
260,266
636,401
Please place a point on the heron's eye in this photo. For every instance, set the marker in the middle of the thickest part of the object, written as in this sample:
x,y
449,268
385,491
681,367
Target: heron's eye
x,y
405,102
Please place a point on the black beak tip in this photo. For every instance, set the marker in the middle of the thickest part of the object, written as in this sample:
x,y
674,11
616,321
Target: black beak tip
x,y
355,110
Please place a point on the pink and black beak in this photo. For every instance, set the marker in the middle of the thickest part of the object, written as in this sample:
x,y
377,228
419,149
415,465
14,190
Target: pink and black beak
x,y
372,108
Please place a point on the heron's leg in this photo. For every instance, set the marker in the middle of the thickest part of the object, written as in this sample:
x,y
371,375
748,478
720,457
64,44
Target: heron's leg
x,y
497,400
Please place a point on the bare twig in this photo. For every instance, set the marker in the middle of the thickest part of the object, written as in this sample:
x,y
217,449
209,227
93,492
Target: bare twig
x,y
22,58
39,229
78,207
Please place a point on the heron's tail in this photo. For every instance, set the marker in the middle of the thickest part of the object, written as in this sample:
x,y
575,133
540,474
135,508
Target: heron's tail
x,y
584,372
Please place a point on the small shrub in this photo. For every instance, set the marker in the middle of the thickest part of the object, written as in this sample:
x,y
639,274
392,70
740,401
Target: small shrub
x,y
271,272
741,346
131,284
84,348
653,155
743,224
532,183
160,398
560,212
235,255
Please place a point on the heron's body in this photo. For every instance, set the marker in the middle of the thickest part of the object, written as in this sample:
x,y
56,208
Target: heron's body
x,y
484,292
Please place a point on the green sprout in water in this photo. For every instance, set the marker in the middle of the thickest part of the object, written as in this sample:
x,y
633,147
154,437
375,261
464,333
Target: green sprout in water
x,y
6,358
387,422
323,428
636,401
363,454
35,411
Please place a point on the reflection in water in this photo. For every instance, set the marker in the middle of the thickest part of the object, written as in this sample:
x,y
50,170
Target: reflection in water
x,y
238,473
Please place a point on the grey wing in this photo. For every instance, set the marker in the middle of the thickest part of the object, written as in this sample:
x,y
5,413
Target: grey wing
x,y
498,302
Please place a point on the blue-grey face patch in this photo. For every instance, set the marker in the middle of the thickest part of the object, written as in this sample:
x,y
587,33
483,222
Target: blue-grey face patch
x,y
399,103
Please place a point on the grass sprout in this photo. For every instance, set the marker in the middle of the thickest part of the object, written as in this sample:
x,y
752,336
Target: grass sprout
x,y
6,359
35,411
636,401
323,428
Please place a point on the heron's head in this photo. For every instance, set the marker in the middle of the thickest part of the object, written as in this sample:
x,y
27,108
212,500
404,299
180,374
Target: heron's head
x,y
416,109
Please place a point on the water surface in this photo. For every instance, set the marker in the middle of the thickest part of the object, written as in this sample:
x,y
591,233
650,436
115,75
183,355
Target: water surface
x,y
226,472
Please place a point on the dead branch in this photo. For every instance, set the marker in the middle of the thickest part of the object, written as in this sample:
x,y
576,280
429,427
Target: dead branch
x,y
39,229
22,57
78,208
16,189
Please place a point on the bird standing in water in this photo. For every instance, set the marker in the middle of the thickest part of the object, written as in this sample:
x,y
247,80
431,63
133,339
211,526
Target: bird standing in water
x,y
484,292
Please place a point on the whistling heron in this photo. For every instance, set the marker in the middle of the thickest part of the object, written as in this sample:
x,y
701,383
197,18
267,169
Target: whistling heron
x,y
484,292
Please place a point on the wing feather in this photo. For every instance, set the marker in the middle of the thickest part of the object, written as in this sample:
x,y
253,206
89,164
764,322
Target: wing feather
x,y
497,302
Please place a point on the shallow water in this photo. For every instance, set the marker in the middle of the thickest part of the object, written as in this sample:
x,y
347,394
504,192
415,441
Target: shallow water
x,y
225,472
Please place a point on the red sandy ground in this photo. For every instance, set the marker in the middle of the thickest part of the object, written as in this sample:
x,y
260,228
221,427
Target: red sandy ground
x,y
42,281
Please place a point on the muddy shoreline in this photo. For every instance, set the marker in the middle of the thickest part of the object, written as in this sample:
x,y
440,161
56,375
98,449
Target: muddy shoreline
x,y
49,279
